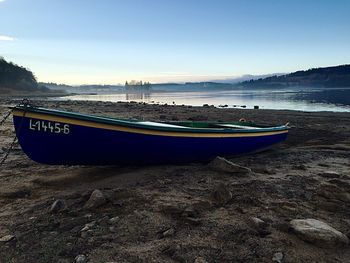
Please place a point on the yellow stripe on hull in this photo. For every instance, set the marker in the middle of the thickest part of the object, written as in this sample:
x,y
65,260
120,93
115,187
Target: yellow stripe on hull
x,y
116,127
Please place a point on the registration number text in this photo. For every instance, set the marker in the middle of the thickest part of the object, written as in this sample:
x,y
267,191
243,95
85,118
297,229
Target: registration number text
x,y
48,126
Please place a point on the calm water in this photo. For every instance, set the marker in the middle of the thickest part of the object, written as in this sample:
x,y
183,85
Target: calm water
x,y
314,100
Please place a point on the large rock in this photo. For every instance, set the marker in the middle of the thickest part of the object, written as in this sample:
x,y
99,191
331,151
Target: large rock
x,y
318,233
221,195
96,199
222,165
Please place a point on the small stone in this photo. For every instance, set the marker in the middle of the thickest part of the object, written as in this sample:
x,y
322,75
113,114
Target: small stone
x,y
257,222
80,259
318,233
221,195
277,257
114,220
169,232
200,260
88,226
58,205
96,199
7,238
222,165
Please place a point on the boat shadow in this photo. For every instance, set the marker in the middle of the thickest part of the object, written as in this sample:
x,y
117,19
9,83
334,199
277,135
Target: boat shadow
x,y
103,177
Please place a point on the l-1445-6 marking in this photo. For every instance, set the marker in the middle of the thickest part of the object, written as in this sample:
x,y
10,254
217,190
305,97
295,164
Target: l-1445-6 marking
x,y
48,126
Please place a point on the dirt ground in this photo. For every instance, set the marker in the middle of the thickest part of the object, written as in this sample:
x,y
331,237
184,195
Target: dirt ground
x,y
167,213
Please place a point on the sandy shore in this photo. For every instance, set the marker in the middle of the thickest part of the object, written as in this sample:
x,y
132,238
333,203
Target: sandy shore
x,y
167,213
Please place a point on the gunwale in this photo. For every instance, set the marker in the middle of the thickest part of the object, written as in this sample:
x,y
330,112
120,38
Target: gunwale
x,y
135,127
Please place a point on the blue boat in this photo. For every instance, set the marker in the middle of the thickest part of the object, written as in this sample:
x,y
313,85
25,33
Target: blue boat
x,y
65,138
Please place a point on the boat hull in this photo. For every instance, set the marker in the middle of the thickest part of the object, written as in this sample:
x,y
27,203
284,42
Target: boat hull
x,y
68,141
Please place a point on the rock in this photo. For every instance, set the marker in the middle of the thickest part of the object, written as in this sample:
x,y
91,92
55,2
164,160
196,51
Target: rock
x,y
329,174
114,220
96,199
318,233
222,165
200,260
257,223
7,238
333,192
221,195
277,257
80,259
169,232
58,205
88,226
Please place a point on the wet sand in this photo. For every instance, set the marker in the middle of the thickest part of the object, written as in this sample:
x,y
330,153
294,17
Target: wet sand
x,y
167,213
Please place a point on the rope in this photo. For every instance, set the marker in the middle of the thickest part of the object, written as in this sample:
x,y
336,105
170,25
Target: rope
x,y
7,152
5,118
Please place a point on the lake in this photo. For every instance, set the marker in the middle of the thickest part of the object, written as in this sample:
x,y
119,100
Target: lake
x,y
289,99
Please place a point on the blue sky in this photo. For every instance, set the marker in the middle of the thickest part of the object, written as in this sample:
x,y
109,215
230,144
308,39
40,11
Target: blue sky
x,y
90,41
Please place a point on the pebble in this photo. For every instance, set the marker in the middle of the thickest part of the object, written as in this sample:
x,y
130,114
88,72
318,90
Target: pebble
x,y
114,220
88,226
58,205
80,259
200,260
277,257
258,223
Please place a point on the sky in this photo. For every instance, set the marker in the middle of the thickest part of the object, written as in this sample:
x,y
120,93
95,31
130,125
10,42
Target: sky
x,y
111,41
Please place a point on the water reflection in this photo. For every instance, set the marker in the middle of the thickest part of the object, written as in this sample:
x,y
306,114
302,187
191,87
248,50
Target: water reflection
x,y
138,96
310,100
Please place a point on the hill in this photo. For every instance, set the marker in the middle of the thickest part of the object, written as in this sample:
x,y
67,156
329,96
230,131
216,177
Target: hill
x,y
329,77
17,80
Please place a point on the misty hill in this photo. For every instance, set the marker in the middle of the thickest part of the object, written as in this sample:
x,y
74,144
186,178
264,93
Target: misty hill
x,y
245,78
82,89
329,77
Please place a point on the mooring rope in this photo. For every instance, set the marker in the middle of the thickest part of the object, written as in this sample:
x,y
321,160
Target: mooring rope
x,y
9,149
